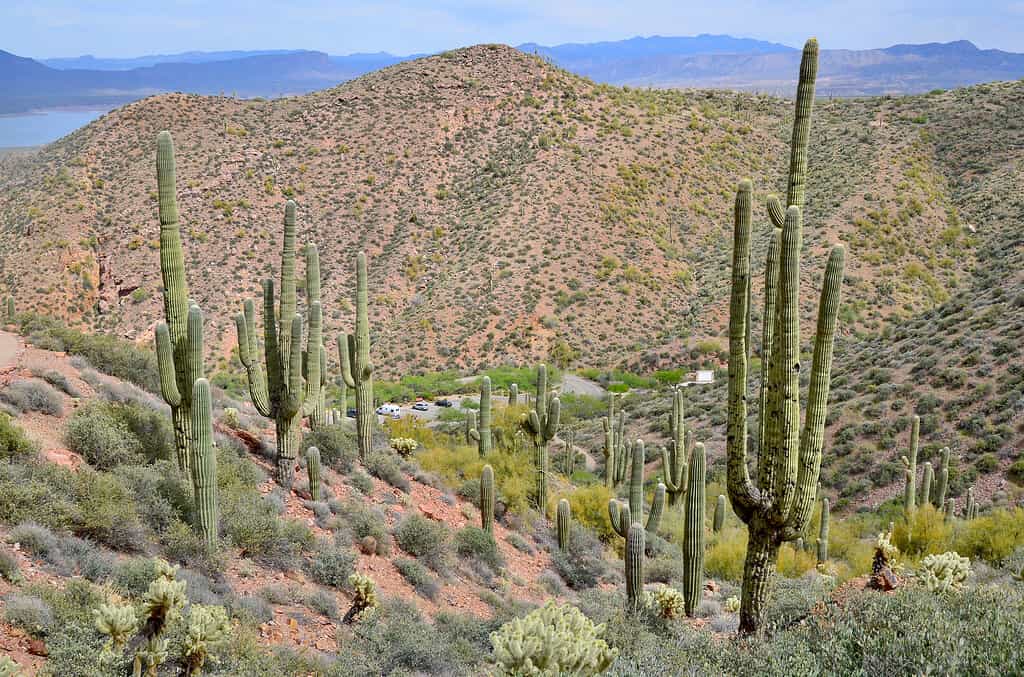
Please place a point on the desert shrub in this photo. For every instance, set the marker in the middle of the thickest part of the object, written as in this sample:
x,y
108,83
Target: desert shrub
x,y
33,395
993,536
252,609
568,640
332,565
925,533
792,599
418,576
14,445
57,380
794,563
28,612
513,472
582,565
386,468
35,539
590,508
108,512
101,438
337,446
423,538
10,570
474,542
323,603
161,493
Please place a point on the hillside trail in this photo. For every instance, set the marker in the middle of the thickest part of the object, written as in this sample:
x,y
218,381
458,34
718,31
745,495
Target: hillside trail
x,y
578,385
10,347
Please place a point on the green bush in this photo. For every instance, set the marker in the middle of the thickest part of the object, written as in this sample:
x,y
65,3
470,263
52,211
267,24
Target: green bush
x,y
337,445
474,542
29,613
583,564
14,445
418,577
332,565
992,537
385,467
424,538
110,434
33,395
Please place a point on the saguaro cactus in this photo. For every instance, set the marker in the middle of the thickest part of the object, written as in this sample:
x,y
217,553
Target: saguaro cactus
x,y
926,484
482,434
613,444
621,514
634,567
778,506
314,361
693,527
950,505
823,532
282,392
971,509
469,426
541,423
719,520
942,483
357,370
10,309
910,468
204,463
673,457
513,394
179,338
487,499
562,522
569,455
313,470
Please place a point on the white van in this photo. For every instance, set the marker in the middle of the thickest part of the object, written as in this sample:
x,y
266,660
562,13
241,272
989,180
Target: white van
x,y
388,409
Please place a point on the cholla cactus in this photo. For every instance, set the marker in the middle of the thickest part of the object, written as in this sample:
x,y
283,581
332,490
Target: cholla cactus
x,y
732,605
551,641
946,572
403,446
151,656
208,627
668,602
8,668
116,621
365,596
162,602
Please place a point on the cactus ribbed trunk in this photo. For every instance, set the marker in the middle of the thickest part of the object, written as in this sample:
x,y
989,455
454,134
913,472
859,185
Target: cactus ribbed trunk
x,y
942,483
487,499
823,532
719,521
540,465
541,423
513,394
313,471
634,568
910,469
927,476
673,457
357,368
204,464
636,483
484,429
562,523
693,531
758,575
289,437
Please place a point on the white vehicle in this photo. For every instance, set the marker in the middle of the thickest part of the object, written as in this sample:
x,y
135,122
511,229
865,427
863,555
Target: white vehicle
x,y
389,409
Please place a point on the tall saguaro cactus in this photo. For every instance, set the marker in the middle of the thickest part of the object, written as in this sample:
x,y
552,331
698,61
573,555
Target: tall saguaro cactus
x,y
314,366
204,463
926,483
778,503
179,338
487,499
693,528
614,445
541,423
942,483
623,514
673,457
910,468
282,392
482,433
356,368
823,532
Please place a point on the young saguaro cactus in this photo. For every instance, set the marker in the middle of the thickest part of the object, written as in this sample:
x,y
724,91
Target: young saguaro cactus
x,y
356,368
693,527
204,463
487,499
10,309
635,567
313,470
942,483
673,457
910,468
282,392
482,433
179,338
926,484
719,520
622,515
563,521
777,505
823,532
513,394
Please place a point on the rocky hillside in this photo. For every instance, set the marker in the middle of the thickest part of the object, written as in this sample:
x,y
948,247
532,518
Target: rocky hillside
x,y
511,211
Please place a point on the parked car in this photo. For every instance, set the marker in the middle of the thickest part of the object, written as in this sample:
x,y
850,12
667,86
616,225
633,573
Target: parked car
x,y
351,413
443,403
389,410
420,406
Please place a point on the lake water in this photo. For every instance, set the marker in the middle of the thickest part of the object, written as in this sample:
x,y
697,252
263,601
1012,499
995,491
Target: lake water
x,y
43,127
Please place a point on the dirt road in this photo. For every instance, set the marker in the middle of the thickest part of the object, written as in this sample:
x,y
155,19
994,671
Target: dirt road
x,y
10,346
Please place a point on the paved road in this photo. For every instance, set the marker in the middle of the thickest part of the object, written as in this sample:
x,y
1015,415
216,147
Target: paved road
x,y
578,385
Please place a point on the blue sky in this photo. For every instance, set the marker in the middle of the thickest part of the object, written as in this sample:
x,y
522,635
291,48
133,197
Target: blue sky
x,y
117,28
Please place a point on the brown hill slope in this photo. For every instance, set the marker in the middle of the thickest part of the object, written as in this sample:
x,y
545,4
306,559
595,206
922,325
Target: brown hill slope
x,y
510,210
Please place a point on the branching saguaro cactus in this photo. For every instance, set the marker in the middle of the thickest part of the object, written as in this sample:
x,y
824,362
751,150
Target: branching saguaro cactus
x,y
487,499
623,514
179,338
673,457
614,447
204,463
313,470
563,521
693,527
910,468
356,368
281,394
541,424
778,506
482,434
823,532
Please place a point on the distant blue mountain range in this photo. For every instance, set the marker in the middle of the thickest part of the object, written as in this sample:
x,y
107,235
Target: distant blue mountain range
x,y
719,61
